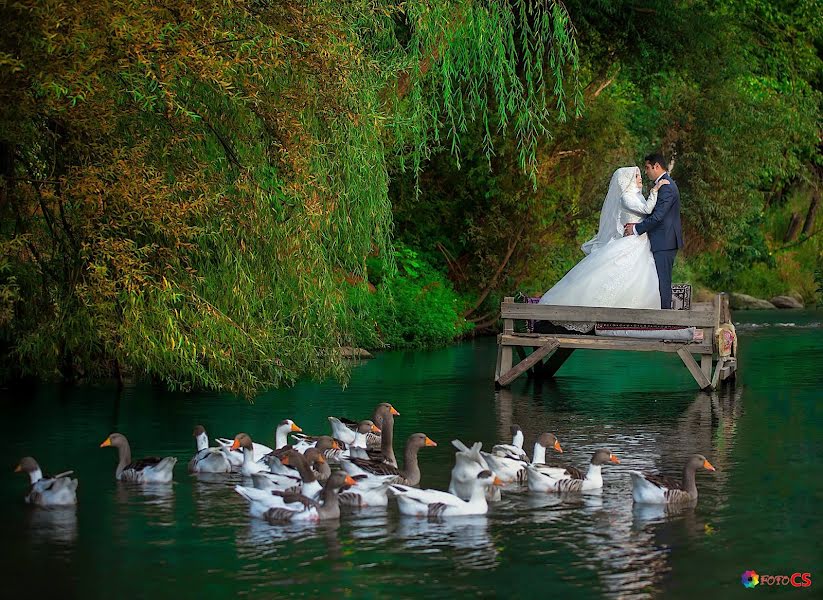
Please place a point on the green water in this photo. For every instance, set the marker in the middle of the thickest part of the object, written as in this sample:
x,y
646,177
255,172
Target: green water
x,y
760,510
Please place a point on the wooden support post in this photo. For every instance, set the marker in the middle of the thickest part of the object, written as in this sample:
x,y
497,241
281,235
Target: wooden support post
x,y
551,366
717,370
691,364
505,361
706,365
511,374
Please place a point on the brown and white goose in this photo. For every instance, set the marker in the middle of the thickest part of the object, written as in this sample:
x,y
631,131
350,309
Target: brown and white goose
x,y
339,426
207,460
250,466
262,496
572,479
302,508
281,439
408,475
657,489
152,469
511,469
60,490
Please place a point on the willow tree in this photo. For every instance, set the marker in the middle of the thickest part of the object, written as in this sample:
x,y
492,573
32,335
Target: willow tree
x,y
186,185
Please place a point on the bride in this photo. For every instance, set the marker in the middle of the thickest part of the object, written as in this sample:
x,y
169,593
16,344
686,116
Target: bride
x,y
618,271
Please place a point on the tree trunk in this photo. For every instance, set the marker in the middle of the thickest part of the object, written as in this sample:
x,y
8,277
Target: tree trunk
x,y
808,226
794,228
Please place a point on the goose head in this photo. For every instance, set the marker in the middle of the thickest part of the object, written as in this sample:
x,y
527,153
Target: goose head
x,y
287,426
488,479
314,457
419,440
698,461
29,466
548,440
118,440
326,442
385,406
244,441
602,457
367,426
340,480
200,437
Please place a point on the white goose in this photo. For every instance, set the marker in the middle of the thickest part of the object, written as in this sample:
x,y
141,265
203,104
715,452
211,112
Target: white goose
x,y
435,504
513,450
60,490
207,460
572,480
281,439
468,463
656,489
371,491
145,470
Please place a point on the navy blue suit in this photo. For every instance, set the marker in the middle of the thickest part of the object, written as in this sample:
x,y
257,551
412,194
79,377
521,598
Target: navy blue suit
x,y
665,236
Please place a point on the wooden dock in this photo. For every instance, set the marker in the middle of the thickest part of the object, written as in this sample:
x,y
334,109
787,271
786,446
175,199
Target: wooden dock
x,y
542,354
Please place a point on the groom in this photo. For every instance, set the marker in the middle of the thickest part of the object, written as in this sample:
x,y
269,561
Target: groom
x,y
663,226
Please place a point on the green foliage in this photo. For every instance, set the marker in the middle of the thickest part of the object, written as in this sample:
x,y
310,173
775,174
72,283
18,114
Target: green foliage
x,y
185,187
414,307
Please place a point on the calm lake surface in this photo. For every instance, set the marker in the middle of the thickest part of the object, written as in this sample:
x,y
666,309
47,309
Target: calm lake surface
x,y
761,510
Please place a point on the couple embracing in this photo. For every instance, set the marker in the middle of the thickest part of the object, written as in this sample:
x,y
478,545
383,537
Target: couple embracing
x,y
628,264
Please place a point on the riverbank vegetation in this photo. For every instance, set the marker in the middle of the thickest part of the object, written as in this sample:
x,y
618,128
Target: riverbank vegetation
x,y
223,195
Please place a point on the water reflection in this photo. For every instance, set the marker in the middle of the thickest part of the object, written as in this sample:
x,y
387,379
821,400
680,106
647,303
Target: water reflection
x,y
52,525
466,540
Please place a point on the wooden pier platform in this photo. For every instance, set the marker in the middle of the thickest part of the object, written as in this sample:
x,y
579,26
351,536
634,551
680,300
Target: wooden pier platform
x,y
542,354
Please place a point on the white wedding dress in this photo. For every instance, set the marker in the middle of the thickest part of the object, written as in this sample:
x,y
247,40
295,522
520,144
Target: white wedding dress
x,y
618,272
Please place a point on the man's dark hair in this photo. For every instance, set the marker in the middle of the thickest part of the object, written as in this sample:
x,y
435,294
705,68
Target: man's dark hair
x,y
656,157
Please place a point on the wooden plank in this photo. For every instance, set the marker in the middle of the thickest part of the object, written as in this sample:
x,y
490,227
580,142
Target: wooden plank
x,y
687,358
508,324
499,359
706,365
700,317
526,364
592,342
505,360
551,366
717,369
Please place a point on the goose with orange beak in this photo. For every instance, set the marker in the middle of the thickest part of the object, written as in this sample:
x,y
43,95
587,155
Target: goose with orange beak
x,y
281,439
339,425
435,504
572,479
299,508
60,490
408,475
152,469
656,489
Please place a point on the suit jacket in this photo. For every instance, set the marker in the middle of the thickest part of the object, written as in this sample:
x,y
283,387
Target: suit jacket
x,y
663,225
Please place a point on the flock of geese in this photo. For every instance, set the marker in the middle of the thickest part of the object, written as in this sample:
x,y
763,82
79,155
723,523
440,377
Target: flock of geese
x,y
296,482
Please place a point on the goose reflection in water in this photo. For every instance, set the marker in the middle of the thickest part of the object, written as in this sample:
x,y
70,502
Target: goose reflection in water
x,y
56,525
465,540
